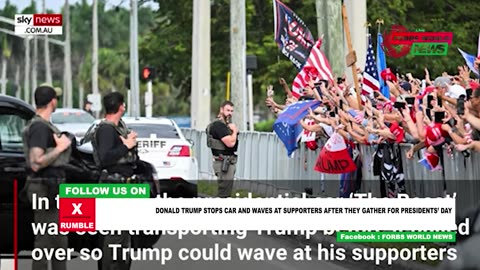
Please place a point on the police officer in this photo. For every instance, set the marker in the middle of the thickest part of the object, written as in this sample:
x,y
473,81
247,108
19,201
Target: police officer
x,y
114,148
46,151
222,139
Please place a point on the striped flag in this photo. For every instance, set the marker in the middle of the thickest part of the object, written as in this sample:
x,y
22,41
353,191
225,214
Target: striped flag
x,y
370,81
470,60
357,115
317,68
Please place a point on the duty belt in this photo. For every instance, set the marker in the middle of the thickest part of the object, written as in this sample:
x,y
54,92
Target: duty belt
x,y
221,157
118,178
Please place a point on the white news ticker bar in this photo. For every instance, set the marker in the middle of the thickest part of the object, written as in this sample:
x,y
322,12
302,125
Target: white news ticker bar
x,y
38,30
140,214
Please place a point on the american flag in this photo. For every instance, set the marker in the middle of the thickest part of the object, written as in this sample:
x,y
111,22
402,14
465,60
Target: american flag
x,y
316,67
357,115
370,81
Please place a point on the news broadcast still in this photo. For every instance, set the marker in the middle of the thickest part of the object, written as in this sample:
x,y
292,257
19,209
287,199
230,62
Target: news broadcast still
x,y
275,134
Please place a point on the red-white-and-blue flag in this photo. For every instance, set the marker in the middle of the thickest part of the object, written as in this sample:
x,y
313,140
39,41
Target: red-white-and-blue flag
x,y
370,81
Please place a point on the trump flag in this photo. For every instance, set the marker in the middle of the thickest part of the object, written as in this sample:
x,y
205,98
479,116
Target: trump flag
x,y
291,34
287,128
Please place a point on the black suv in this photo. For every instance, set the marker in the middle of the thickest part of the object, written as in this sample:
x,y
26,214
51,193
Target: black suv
x,y
14,114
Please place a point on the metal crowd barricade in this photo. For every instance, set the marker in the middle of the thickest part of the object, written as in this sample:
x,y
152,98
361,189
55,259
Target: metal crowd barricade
x,y
263,159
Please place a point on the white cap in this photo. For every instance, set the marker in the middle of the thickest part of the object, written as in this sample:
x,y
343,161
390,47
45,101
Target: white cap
x,y
455,91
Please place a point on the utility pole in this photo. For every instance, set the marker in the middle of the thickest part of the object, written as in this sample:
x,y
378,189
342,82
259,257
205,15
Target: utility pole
x,y
18,87
26,86
95,48
134,70
200,93
68,61
129,85
5,56
34,68
329,24
238,45
48,72
81,93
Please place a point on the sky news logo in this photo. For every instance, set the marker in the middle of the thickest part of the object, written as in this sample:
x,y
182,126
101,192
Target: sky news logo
x,y
38,24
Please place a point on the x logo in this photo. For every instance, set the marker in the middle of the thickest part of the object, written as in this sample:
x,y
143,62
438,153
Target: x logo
x,y
76,208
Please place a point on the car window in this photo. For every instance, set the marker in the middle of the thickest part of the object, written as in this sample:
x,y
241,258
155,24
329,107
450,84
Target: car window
x,y
162,131
72,117
11,129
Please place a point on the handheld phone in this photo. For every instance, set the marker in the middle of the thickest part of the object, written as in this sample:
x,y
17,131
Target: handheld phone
x,y
339,80
452,122
325,82
270,92
469,93
439,117
332,114
424,85
399,105
428,111
319,90
461,105
439,101
341,104
410,101
429,101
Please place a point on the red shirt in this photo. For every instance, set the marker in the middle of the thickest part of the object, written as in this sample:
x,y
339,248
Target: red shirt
x,y
398,131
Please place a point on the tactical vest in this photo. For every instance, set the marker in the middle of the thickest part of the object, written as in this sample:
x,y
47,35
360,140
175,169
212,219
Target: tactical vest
x,y
212,142
62,159
123,131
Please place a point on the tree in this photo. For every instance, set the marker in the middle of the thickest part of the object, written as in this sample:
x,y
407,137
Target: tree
x,y
112,71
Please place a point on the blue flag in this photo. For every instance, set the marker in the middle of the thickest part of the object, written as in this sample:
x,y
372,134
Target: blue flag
x,y
381,65
291,34
470,60
287,128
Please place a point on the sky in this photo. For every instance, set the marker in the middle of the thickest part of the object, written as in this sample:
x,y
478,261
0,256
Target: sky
x,y
56,5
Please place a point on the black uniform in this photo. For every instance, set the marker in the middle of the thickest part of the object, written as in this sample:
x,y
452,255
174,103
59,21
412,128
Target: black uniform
x,y
111,149
119,163
219,130
45,184
224,158
41,136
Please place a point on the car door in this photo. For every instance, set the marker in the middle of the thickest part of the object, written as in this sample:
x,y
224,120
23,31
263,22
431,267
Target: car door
x,y
13,119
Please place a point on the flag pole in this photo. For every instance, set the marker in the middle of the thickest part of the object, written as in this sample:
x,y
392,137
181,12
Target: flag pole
x,y
351,58
379,22
478,48
367,25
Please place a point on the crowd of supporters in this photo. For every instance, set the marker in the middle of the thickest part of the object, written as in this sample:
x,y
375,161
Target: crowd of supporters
x,y
429,114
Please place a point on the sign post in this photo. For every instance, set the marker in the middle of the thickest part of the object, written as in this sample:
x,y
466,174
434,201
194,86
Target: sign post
x,y
351,58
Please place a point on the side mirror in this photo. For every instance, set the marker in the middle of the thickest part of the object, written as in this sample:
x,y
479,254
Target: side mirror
x,y
192,143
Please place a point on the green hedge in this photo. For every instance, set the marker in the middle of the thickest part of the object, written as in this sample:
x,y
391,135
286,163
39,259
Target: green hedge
x,y
265,126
